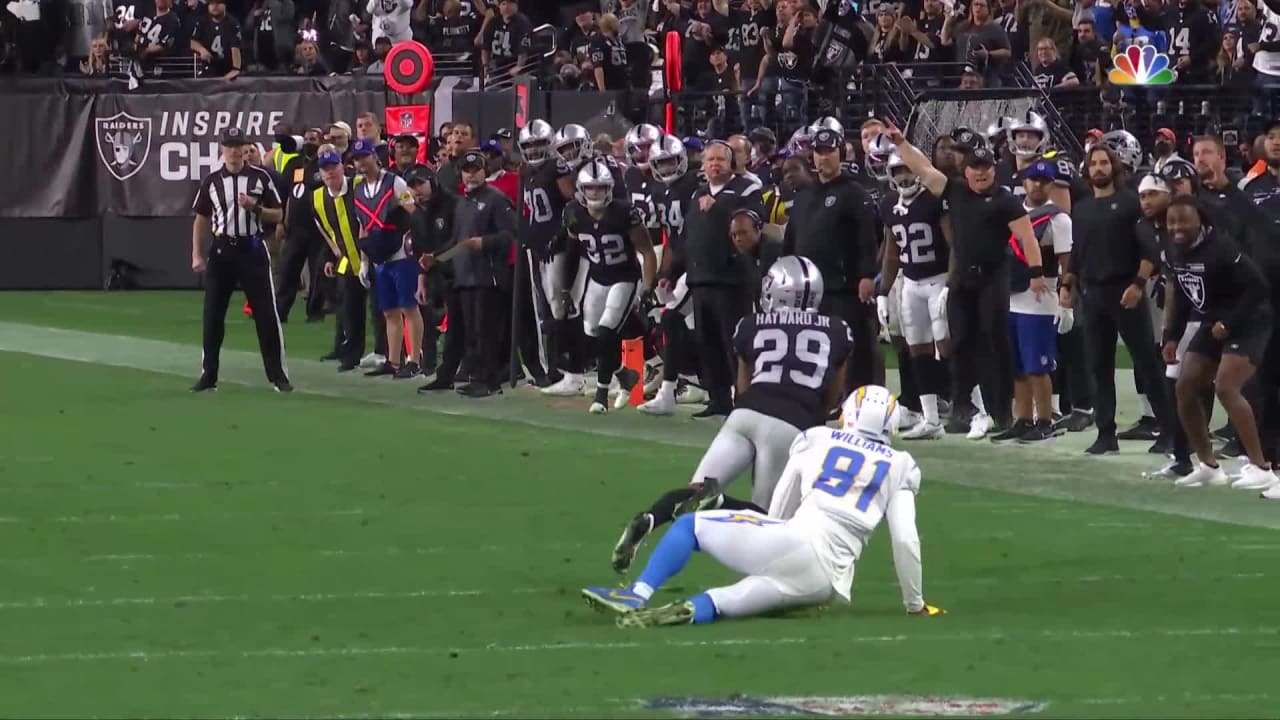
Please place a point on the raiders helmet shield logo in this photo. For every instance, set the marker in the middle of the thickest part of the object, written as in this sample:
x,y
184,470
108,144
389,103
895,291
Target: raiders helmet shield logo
x,y
1193,287
124,142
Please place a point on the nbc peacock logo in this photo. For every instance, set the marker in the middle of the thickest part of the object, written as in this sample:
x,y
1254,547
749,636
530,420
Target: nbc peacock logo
x,y
1141,66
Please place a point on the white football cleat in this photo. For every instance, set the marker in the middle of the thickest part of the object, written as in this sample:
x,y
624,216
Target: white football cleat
x,y
372,360
924,430
661,404
568,386
979,426
621,400
597,408
1272,494
908,419
691,395
1253,477
1203,476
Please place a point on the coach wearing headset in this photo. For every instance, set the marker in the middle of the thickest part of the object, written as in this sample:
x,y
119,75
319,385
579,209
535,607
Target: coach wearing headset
x,y
715,271
832,224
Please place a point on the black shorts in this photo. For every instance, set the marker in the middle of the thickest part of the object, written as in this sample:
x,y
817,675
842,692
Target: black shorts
x,y
1252,344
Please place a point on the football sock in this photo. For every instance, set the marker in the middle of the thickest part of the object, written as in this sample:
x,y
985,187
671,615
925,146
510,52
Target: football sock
x,y
671,553
910,381
704,609
608,356
929,406
939,376
672,324
665,508
668,389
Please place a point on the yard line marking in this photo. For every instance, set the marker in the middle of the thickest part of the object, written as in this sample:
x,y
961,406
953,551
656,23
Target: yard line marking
x,y
1187,697
178,517
1256,547
147,656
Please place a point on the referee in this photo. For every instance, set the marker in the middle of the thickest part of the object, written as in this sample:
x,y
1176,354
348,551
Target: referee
x,y
232,205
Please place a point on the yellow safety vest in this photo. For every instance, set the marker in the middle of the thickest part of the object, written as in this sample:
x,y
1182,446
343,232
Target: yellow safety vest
x,y
338,220
775,210
280,159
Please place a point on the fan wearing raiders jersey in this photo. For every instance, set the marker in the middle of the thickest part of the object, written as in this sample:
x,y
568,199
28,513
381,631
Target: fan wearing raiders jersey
x,y
1224,290
1028,138
217,41
912,220
611,234
792,361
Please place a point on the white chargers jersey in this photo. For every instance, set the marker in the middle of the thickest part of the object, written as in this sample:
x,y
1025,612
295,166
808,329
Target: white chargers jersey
x,y
837,487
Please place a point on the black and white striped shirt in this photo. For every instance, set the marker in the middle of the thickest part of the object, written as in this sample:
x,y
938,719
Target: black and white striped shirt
x,y
217,200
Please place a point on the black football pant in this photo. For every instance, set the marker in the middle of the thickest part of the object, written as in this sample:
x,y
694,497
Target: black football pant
x,y
861,318
299,248
978,319
1104,319
349,330
716,312
1268,379
527,330
1071,379
484,314
246,265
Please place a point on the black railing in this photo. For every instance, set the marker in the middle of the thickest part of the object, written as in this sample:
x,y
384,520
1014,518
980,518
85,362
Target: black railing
x,y
1188,110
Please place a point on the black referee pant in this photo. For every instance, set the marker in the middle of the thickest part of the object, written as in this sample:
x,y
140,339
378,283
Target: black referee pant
x,y
527,331
861,319
978,320
243,263
1104,319
716,312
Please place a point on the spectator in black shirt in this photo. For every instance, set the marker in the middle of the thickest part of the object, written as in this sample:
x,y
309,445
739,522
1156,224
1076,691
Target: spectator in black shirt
x,y
1050,71
1086,59
724,113
885,47
506,41
921,40
453,31
747,30
981,41
217,42
1233,69
160,39
1193,42
609,57
795,60
577,39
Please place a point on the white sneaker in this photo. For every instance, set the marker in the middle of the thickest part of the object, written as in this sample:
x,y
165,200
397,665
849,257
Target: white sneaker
x,y
1203,476
924,430
372,360
1253,477
908,419
652,377
568,386
691,395
979,426
597,409
1272,494
621,400
661,404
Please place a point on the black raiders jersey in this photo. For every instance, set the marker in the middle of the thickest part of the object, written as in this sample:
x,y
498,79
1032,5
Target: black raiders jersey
x,y
607,241
916,227
673,202
544,206
794,357
1068,176
640,189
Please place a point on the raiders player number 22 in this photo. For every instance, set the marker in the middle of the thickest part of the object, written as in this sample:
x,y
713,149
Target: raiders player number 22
x,y
611,233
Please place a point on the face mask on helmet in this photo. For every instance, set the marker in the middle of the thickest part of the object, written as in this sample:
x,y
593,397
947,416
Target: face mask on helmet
x,y
1027,143
906,182
535,152
596,197
570,152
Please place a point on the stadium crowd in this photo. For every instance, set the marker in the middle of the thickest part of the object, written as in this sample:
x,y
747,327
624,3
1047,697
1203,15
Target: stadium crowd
x,y
709,208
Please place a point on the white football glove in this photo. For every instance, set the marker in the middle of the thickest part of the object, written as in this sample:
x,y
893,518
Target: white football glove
x,y
942,303
364,276
882,310
1065,320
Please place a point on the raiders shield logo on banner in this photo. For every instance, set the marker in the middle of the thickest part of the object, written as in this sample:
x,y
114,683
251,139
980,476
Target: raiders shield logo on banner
x,y
124,142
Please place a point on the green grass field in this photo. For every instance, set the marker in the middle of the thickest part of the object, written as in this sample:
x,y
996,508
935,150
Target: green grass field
x,y
354,549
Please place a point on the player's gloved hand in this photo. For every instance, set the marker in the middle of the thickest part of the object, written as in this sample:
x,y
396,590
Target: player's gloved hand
x,y
1065,320
927,611
882,310
364,276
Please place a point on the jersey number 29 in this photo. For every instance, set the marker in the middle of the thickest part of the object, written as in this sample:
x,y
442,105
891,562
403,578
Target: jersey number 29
x,y
842,472
812,350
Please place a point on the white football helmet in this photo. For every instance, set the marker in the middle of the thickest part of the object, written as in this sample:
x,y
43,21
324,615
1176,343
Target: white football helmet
x,y
595,185
572,144
827,123
878,152
871,412
792,283
535,142
1033,124
1125,146
998,130
638,142
668,160
801,142
907,183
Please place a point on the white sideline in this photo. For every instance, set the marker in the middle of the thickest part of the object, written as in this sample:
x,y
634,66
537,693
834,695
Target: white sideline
x,y
147,656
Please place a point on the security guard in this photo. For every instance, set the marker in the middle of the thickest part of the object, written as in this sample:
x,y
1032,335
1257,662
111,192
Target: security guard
x,y
302,243
333,206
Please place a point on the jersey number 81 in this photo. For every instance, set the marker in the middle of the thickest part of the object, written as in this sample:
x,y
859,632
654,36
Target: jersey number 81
x,y
842,472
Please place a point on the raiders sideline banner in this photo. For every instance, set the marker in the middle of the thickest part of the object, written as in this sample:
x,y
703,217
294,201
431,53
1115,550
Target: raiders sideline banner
x,y
91,147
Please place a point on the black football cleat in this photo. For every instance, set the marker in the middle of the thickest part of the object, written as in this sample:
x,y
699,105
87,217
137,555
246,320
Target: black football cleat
x,y
1103,446
283,386
634,534
1233,450
1075,421
407,370
1225,433
1015,432
1041,432
477,390
347,366
711,413
627,378
205,384
1162,446
1146,430
384,370
436,385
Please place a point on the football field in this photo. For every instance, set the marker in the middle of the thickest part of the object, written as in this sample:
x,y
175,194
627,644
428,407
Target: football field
x,y
357,550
